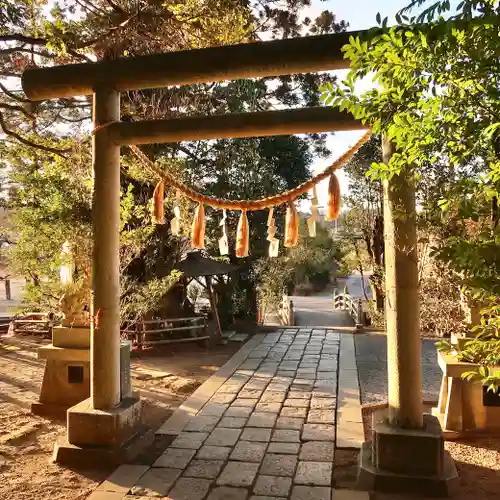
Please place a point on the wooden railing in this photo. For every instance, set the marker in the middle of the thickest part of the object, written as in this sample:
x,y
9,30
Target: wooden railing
x,y
350,304
34,323
165,331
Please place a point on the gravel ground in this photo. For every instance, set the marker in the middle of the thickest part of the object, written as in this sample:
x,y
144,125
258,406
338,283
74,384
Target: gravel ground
x,y
371,358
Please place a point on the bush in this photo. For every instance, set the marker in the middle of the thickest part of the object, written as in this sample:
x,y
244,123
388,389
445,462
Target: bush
x,y
440,311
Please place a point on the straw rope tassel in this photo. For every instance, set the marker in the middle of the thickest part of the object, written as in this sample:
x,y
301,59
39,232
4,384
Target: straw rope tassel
x,y
291,225
158,210
198,228
242,236
333,209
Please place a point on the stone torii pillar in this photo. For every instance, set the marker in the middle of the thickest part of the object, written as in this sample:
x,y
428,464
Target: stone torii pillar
x,y
103,427
407,451
105,332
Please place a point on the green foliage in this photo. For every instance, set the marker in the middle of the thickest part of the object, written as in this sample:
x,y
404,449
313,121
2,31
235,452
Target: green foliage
x,y
483,350
436,99
487,376
139,300
307,267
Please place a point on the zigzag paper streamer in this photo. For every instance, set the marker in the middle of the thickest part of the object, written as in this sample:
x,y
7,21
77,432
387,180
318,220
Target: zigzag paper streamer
x,y
311,221
175,223
223,240
274,243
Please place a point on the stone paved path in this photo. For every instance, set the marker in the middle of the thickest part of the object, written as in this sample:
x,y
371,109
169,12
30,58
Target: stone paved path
x,y
318,310
267,433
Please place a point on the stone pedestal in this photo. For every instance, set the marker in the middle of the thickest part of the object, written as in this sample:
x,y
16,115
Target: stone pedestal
x,y
66,378
463,408
406,460
107,437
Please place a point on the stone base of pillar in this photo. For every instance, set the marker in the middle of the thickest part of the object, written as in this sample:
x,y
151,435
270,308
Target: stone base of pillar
x,y
407,460
103,436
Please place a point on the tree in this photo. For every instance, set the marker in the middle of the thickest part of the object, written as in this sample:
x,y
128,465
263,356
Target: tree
x,y
100,29
365,215
437,102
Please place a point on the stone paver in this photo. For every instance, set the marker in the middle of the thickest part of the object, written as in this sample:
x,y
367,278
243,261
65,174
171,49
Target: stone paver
x,y
289,423
293,412
284,448
223,437
232,422
259,497
318,432
225,493
175,458
314,473
190,489
262,420
317,451
123,478
238,474
278,465
311,493
268,407
239,411
214,409
190,440
262,435
248,452
287,436
272,485
202,424
321,417
208,469
213,452
155,482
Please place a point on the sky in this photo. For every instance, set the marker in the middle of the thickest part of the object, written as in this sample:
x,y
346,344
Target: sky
x,y
360,14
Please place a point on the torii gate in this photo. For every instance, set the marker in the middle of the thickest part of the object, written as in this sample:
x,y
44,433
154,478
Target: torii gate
x,y
411,447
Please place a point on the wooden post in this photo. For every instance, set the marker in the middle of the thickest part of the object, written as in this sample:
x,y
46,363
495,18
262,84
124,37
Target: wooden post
x,y
402,300
8,294
105,331
213,304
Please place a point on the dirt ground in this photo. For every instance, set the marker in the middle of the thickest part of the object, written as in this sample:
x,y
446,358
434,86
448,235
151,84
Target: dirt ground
x,y
165,378
477,461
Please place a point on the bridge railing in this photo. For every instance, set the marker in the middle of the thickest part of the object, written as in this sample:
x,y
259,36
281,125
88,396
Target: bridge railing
x,y
286,311
350,304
